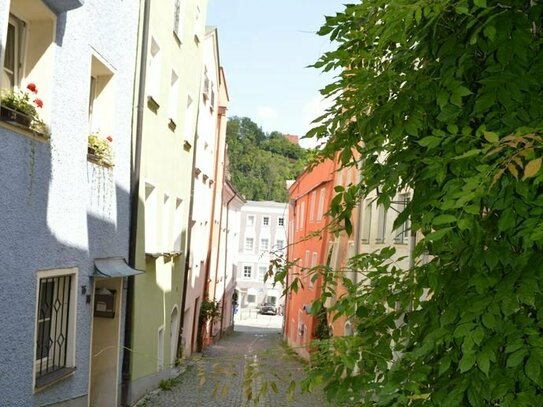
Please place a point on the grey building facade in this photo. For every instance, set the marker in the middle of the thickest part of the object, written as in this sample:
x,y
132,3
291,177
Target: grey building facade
x,y
65,207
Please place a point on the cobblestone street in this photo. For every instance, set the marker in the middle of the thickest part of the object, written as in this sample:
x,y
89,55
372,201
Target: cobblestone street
x,y
252,354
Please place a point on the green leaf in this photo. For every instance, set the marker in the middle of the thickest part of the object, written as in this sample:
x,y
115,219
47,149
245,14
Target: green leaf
x,y
467,362
490,32
430,141
489,320
443,219
491,137
480,3
483,362
533,370
516,358
437,235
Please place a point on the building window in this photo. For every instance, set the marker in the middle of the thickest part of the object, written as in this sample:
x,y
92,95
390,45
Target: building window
x,y
312,206
250,220
189,119
302,215
262,270
265,221
264,244
154,73
177,29
280,221
313,266
320,211
101,99
280,244
251,299
13,56
381,224
248,272
29,36
55,326
366,222
178,225
151,219
402,236
173,104
205,88
249,243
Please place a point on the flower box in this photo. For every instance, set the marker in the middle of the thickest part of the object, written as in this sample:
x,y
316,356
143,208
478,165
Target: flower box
x,y
13,116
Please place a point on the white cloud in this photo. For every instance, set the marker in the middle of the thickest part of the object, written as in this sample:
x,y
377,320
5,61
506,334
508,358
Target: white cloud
x,y
266,112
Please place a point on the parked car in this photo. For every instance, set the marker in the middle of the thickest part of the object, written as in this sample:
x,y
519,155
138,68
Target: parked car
x,y
268,309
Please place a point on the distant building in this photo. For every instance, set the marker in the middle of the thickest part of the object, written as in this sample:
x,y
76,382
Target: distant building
x,y
263,234
292,138
310,197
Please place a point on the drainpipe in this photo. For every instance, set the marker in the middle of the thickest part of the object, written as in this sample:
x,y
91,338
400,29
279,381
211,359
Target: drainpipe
x,y
225,258
189,232
134,202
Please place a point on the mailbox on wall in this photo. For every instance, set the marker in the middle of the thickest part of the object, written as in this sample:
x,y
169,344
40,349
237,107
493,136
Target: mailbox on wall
x,y
104,303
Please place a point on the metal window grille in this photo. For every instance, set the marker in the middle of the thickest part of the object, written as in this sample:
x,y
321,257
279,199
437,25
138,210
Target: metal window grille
x,y
52,324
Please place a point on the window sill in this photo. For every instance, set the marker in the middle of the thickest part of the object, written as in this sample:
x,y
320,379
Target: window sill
x,y
49,379
152,103
24,131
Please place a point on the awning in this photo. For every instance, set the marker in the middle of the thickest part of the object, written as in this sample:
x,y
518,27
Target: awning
x,y
112,267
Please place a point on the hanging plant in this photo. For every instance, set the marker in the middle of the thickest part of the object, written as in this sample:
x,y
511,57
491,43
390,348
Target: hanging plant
x,y
99,149
20,107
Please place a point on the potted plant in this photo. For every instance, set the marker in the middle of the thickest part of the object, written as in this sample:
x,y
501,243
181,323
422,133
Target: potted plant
x,y
20,106
99,149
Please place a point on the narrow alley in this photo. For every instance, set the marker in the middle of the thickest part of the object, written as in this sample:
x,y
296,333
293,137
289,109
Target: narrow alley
x,y
253,353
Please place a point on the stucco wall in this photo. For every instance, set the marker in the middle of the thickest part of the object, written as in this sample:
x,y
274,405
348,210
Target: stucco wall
x,y
45,219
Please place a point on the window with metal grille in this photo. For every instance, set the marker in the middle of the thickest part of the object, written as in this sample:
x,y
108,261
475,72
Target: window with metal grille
x,y
54,330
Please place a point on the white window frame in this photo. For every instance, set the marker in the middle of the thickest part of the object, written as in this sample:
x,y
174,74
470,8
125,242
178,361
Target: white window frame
x,y
19,32
320,211
264,247
173,103
281,221
312,202
70,319
366,222
266,221
250,220
177,20
244,272
154,72
247,246
402,232
302,215
381,224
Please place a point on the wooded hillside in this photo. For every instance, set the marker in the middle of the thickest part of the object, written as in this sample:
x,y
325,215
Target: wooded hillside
x,y
259,162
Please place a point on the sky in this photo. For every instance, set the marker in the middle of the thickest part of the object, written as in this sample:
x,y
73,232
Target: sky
x,y
265,48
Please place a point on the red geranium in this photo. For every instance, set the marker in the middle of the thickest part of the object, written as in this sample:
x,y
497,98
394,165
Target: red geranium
x,y
109,138
38,102
32,88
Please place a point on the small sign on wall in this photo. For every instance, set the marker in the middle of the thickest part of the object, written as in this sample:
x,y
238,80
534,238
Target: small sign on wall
x,y
104,303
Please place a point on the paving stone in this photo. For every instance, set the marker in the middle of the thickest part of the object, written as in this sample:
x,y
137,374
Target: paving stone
x,y
216,379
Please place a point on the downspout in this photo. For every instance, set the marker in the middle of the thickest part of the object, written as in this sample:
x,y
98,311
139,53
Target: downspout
x,y
189,232
225,259
134,203
220,117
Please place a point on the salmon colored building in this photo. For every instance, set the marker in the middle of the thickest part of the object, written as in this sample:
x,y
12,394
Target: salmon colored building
x,y
310,197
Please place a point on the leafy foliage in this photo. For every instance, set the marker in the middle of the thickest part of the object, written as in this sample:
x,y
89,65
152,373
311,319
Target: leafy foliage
x,y
445,98
260,163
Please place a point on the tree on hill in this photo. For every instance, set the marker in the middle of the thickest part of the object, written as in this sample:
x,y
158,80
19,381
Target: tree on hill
x,y
446,98
260,163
